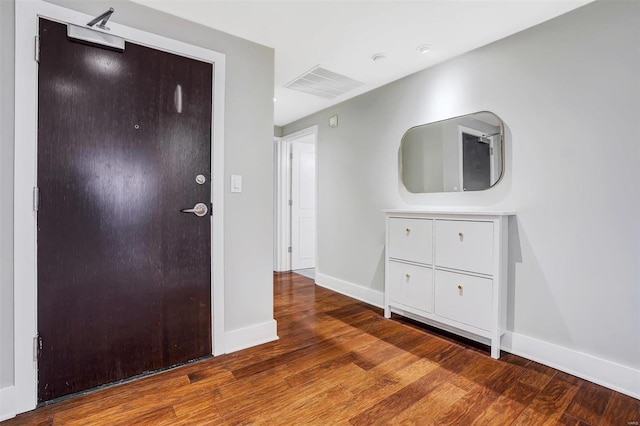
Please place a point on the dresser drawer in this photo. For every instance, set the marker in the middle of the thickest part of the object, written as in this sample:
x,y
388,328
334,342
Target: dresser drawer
x,y
465,245
464,298
411,239
411,285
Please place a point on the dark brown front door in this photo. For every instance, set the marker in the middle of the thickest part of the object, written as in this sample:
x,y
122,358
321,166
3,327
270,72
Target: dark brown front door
x,y
123,275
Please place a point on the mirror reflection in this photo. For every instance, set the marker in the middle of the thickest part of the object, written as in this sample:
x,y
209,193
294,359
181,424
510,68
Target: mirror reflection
x,y
459,154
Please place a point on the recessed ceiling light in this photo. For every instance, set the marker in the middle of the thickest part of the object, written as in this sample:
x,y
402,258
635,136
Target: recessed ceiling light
x,y
378,57
425,48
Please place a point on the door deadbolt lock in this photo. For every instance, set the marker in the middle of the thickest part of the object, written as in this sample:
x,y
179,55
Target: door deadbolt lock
x,y
200,179
199,210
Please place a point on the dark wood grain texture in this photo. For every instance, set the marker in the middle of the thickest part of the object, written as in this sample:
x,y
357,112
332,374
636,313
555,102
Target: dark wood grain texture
x,y
123,276
338,361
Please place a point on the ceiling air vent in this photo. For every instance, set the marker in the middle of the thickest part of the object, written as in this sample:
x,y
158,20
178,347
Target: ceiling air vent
x,y
324,83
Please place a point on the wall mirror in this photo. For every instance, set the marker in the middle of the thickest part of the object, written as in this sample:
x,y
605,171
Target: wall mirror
x,y
458,154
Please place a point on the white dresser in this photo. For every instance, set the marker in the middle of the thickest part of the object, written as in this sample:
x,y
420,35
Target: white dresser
x,y
449,269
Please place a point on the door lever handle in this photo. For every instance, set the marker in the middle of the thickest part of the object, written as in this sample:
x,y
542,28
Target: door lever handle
x,y
199,210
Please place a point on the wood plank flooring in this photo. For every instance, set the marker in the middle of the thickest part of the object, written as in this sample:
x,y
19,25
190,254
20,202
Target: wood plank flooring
x,y
338,361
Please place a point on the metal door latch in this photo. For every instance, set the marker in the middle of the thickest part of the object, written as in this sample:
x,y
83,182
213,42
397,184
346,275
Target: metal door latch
x,y
199,209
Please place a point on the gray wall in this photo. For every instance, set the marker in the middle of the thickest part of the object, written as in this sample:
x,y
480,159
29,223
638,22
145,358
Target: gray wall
x,y
568,90
248,129
7,27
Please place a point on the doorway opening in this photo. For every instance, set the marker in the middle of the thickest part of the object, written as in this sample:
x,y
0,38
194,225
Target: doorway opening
x,y
295,202
479,157
24,391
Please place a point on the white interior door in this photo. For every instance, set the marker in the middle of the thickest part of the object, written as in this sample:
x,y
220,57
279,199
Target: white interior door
x,y
303,203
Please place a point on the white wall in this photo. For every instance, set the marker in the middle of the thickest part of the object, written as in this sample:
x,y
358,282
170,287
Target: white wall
x,y
451,157
422,160
248,215
568,91
6,189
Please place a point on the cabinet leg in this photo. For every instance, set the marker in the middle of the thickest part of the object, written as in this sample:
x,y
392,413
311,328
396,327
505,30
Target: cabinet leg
x,y
387,312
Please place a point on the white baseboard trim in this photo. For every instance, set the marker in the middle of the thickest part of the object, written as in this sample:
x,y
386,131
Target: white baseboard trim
x,y
609,374
7,410
254,335
355,291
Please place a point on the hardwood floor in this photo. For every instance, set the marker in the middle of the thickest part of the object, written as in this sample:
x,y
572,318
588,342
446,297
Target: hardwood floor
x,y
338,361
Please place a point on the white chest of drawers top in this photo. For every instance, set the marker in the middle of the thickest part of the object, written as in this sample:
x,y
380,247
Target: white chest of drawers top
x,y
449,269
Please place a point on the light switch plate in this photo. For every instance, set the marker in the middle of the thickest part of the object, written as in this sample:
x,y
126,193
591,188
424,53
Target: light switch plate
x,y
333,121
236,183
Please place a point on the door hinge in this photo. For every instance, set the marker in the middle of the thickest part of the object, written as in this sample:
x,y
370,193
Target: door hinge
x,y
491,151
36,198
37,347
290,202
291,156
36,53
289,249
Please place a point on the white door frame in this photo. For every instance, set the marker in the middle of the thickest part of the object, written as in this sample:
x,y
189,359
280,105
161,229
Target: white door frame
x,y
282,193
278,159
23,395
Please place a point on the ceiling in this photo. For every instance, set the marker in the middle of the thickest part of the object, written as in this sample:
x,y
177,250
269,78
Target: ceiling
x,y
342,36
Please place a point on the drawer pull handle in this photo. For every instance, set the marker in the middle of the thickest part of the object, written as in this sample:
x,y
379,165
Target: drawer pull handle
x,y
407,275
459,289
461,235
408,230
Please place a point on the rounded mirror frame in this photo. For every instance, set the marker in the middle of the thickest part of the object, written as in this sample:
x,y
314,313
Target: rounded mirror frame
x,y
427,164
